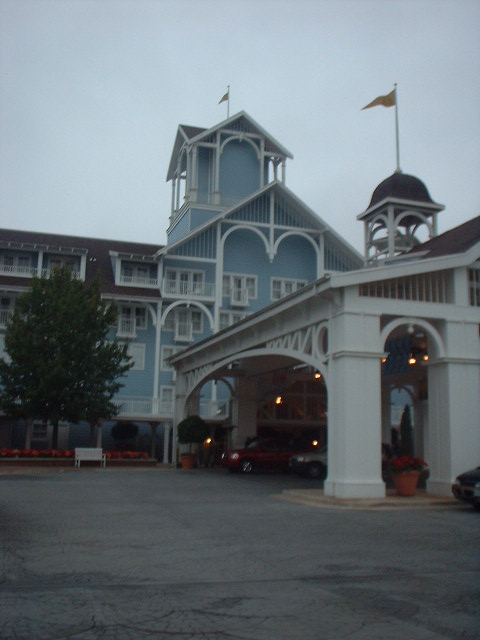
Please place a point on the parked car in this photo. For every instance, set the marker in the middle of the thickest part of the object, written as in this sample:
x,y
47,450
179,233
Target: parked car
x,y
266,454
467,487
312,464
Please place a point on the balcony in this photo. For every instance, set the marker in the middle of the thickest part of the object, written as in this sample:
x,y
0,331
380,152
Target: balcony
x,y
4,316
173,288
17,270
137,281
136,407
143,407
126,328
238,297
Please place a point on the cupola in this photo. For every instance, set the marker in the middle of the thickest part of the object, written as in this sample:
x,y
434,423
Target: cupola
x,y
400,214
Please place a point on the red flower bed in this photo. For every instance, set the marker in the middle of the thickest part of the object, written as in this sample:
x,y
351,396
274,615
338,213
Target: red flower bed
x,y
69,453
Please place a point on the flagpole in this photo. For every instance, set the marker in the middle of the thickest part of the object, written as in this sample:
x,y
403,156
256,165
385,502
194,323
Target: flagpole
x,y
396,131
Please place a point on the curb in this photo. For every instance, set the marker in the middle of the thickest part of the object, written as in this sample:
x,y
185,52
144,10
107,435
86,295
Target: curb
x,y
316,498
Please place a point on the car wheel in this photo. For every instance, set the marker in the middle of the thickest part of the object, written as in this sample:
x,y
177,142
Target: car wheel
x,y
316,470
246,466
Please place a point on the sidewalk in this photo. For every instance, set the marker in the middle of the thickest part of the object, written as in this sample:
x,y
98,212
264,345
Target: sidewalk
x,y
316,498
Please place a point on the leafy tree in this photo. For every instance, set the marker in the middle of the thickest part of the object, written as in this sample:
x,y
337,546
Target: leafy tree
x,y
192,430
60,365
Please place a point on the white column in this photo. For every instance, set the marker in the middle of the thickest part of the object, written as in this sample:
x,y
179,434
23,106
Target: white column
x,y
354,410
454,408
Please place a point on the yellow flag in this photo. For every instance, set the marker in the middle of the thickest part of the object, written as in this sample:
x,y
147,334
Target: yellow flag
x,y
390,100
223,98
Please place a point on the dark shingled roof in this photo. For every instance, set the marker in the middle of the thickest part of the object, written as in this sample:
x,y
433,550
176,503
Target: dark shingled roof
x,y
457,240
98,257
401,186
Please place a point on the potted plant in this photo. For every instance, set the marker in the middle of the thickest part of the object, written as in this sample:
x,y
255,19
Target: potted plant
x,y
405,472
191,430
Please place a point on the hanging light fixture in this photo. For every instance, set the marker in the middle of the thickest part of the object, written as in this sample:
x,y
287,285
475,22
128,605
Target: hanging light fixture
x,y
317,375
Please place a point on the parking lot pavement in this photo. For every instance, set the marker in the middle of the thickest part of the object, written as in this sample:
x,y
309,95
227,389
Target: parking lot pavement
x,y
155,553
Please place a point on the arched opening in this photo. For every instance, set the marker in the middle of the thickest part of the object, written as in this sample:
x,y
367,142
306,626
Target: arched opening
x,y
410,346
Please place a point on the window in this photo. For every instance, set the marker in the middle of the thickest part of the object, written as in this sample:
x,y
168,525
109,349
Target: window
x,y
166,399
140,318
239,288
19,264
283,287
6,309
184,282
57,262
130,319
137,353
474,282
184,322
228,318
138,274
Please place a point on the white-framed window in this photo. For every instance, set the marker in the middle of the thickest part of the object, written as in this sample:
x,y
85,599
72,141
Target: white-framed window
x,y
184,282
474,286
136,351
70,262
184,323
227,318
6,309
19,264
167,396
167,352
282,287
138,274
140,318
131,318
240,288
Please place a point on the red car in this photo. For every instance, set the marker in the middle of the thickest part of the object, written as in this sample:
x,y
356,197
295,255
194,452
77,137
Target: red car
x,y
260,454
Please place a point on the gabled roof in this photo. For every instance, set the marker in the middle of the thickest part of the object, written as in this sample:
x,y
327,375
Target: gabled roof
x,y
97,252
241,120
313,221
456,240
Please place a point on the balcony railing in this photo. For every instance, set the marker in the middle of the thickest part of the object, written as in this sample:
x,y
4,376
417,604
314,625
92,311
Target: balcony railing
x,y
138,281
4,316
126,327
189,289
143,407
239,297
17,270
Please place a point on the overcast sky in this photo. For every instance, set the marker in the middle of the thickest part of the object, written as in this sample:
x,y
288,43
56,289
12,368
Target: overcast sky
x,y
92,92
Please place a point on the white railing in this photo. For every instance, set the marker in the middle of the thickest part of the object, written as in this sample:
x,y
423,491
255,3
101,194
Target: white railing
x,y
147,407
138,281
143,406
189,289
183,331
238,297
4,316
126,327
17,270
48,272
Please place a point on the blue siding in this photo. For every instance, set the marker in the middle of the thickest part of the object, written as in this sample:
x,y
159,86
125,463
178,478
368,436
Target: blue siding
x,y
239,170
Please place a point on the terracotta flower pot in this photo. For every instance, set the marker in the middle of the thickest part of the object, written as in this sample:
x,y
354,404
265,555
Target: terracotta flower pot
x,y
406,482
187,460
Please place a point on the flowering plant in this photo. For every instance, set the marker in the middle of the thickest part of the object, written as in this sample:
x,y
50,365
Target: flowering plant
x,y
405,464
59,453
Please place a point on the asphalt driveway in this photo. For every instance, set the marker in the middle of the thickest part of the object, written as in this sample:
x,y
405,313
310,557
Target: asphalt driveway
x,y
153,553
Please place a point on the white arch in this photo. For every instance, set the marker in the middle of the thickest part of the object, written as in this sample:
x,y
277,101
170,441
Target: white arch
x,y
246,228
257,353
301,234
419,322
241,138
188,303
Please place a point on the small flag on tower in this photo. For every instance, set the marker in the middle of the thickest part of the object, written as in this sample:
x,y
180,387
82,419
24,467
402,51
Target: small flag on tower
x,y
390,100
224,98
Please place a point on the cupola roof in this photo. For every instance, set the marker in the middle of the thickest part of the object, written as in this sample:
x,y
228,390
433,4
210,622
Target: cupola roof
x,y
401,186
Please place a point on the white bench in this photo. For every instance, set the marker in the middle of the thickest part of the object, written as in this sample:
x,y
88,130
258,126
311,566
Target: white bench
x,y
84,454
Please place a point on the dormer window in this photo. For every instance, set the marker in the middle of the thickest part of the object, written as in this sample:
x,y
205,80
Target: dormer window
x,y
58,262
135,274
16,264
